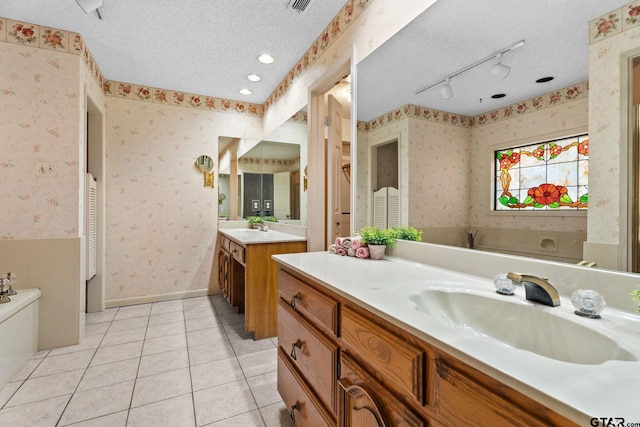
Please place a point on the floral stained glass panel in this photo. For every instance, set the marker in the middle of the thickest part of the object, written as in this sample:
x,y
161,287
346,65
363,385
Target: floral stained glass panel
x,y
543,176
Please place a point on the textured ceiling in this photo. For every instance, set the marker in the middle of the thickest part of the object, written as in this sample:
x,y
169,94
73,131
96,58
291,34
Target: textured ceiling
x,y
199,46
208,47
452,34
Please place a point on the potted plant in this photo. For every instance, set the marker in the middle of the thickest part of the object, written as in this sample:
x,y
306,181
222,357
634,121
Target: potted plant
x,y
377,240
269,218
254,221
404,232
636,297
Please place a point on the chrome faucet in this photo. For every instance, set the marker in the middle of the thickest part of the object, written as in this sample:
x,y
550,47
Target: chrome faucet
x,y
3,294
263,227
537,289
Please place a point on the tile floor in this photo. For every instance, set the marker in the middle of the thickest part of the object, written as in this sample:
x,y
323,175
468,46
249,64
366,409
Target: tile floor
x,y
175,363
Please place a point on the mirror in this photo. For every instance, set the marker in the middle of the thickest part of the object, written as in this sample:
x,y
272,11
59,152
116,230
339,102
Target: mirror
x,y
443,165
204,165
267,174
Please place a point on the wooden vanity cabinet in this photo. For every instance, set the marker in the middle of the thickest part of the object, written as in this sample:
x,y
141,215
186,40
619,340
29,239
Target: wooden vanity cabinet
x,y
248,278
381,374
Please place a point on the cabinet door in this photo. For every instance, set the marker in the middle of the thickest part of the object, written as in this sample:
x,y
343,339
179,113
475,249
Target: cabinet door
x,y
464,402
401,363
365,402
221,269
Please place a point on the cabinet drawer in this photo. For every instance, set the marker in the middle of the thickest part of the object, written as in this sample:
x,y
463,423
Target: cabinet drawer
x,y
301,404
362,397
462,401
311,352
237,252
225,242
398,362
316,307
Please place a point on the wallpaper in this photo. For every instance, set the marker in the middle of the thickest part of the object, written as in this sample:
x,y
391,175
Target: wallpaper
x,y
439,167
39,179
162,224
614,36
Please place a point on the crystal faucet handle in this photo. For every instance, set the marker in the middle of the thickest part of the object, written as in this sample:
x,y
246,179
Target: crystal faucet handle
x,y
503,284
588,303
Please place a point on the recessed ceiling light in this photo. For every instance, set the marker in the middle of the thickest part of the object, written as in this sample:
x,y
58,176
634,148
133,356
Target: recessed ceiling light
x,y
253,77
246,91
266,58
544,79
498,95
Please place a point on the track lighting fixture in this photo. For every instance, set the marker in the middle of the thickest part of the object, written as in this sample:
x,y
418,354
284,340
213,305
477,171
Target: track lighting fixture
x,y
498,70
91,5
446,90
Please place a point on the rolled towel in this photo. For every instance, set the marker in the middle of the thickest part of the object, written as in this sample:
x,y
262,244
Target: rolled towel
x,y
362,252
346,242
341,251
356,243
339,242
332,249
351,252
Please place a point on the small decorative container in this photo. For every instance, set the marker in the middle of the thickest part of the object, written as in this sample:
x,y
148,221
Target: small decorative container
x,y
588,303
504,285
377,251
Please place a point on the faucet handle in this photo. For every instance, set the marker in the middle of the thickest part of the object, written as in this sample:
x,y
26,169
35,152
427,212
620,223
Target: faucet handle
x,y
504,285
588,303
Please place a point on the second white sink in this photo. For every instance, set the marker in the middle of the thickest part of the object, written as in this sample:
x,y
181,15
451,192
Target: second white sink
x,y
520,324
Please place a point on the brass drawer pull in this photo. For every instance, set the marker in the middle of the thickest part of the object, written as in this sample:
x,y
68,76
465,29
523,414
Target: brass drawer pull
x,y
298,344
292,414
297,297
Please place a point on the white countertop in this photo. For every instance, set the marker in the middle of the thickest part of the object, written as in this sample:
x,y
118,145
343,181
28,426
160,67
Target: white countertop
x,y
577,391
247,236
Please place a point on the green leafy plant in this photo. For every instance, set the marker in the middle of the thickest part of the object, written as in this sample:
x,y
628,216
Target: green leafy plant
x,y
403,232
636,297
375,236
254,220
270,218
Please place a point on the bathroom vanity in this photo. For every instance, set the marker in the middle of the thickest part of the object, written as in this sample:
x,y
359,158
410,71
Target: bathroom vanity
x,y
247,275
395,342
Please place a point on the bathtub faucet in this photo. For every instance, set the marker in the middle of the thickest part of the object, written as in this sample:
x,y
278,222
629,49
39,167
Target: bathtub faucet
x,y
4,297
537,289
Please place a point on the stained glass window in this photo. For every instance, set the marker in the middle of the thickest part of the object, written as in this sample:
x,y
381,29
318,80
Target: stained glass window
x,y
550,175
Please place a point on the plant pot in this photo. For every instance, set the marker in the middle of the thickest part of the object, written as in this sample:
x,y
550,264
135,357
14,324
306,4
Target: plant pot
x,y
376,251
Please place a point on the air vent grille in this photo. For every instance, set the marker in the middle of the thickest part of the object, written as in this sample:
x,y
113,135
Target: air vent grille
x,y
299,5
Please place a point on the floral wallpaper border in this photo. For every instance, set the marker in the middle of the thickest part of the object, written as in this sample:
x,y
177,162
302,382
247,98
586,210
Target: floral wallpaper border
x,y
614,22
179,99
268,162
40,36
347,15
554,98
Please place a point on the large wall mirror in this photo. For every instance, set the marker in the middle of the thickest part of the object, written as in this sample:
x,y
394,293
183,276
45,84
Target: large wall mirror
x,y
442,165
265,177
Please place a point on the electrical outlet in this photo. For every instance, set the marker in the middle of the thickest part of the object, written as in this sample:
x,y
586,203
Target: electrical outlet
x,y
46,169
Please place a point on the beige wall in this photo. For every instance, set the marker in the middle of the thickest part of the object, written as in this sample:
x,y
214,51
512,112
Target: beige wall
x,y
39,123
609,72
161,219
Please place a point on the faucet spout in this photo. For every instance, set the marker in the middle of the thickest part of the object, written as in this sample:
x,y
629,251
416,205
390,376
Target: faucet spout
x,y
537,289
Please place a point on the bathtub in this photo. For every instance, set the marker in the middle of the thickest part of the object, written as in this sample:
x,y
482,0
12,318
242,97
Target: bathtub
x,y
18,332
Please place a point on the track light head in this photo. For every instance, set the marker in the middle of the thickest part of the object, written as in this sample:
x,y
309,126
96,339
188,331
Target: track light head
x,y
446,90
89,5
499,69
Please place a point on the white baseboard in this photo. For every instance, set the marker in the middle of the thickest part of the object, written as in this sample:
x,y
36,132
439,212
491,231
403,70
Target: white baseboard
x,y
158,298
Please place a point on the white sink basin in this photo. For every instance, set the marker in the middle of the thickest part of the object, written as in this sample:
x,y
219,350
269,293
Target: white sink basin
x,y
518,323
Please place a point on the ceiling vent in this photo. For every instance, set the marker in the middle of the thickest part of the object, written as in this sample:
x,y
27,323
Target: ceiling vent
x,y
299,5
